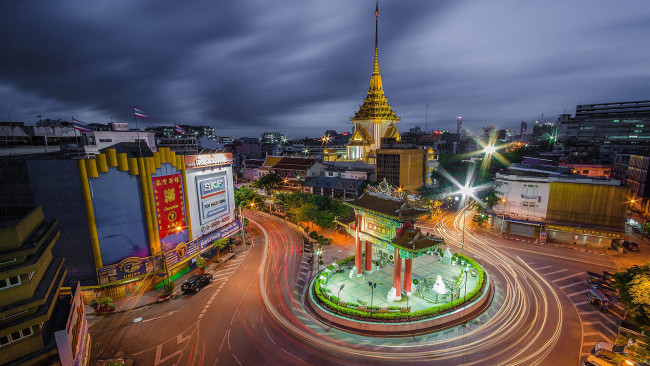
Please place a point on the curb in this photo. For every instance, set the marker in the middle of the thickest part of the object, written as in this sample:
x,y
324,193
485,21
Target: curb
x,y
544,244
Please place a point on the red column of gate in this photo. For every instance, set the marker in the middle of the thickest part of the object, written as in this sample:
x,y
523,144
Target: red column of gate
x,y
397,273
358,260
368,256
408,274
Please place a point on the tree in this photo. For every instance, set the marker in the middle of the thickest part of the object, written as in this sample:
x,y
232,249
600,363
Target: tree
x,y
218,245
268,182
634,286
244,196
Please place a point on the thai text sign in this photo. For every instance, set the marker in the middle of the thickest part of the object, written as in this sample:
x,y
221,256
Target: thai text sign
x,y
207,160
170,209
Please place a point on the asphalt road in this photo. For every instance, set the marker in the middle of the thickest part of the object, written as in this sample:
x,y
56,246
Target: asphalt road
x,y
253,313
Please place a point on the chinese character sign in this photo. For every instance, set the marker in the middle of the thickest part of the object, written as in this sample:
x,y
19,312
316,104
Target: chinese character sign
x,y
170,210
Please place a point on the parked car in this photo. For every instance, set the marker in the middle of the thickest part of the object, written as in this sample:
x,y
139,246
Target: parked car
x,y
194,283
616,245
630,245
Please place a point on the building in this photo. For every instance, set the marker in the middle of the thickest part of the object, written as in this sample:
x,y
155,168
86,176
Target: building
x,y
30,284
375,119
183,145
407,169
273,138
550,204
589,170
637,176
342,169
293,168
166,208
600,131
333,186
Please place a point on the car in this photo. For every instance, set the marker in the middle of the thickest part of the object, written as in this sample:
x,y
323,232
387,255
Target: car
x,y
630,245
194,283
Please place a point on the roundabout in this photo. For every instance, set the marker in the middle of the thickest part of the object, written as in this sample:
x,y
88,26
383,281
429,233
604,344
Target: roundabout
x,y
418,284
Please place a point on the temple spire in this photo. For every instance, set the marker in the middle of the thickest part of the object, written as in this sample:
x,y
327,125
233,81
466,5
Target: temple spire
x,y
375,79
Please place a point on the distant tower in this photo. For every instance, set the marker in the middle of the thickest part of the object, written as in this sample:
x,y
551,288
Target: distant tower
x,y
524,127
459,124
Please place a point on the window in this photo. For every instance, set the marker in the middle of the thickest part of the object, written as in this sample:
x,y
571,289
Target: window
x,y
15,336
105,140
9,282
585,171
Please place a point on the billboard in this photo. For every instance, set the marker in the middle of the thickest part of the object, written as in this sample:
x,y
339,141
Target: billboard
x,y
213,200
184,251
209,192
170,210
127,268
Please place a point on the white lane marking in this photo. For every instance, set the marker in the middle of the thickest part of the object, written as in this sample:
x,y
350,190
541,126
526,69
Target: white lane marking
x,y
572,284
224,339
582,303
292,355
236,359
268,335
598,334
540,268
159,360
554,272
567,277
577,293
201,316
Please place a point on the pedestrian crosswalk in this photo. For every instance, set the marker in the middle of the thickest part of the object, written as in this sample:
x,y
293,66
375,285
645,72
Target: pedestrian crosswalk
x,y
596,326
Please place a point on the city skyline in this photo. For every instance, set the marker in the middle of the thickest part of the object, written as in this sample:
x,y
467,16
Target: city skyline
x,y
245,65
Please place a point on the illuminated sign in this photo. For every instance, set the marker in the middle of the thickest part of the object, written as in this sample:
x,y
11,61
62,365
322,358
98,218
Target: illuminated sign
x,y
127,268
184,251
170,209
212,197
207,160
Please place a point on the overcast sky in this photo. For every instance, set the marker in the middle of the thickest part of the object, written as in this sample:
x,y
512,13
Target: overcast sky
x,y
249,66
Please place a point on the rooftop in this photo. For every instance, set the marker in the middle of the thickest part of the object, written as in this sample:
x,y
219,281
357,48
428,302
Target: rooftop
x,y
386,205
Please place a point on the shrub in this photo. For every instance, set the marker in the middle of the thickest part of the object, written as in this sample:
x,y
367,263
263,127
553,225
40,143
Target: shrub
x,y
320,262
393,308
345,260
105,301
415,281
94,304
352,304
334,299
168,288
330,267
313,235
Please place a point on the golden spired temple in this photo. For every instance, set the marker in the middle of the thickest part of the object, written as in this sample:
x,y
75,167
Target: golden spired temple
x,y
375,119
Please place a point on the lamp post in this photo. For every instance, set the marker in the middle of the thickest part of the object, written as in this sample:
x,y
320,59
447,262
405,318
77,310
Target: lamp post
x,y
505,202
338,305
466,191
372,285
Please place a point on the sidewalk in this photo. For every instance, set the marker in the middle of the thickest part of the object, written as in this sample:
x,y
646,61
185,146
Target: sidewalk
x,y
152,297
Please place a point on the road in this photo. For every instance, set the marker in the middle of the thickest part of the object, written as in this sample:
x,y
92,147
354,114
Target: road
x,y
253,313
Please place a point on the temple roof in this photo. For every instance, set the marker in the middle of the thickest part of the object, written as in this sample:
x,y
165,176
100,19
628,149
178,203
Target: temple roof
x,y
413,240
386,205
361,137
375,105
392,132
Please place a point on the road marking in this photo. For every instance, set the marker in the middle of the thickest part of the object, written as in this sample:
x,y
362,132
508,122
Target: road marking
x,y
159,360
292,355
229,341
221,285
224,339
577,293
598,334
554,272
204,310
201,316
572,284
582,303
236,359
540,268
160,317
268,335
567,277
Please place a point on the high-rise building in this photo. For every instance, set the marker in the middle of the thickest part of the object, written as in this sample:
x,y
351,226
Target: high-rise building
x,y
375,119
600,131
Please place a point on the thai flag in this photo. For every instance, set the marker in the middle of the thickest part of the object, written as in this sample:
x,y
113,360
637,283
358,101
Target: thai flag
x,y
180,130
139,113
78,125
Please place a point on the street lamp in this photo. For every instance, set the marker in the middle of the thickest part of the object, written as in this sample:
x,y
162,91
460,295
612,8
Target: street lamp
x,y
489,150
338,310
504,201
372,285
465,191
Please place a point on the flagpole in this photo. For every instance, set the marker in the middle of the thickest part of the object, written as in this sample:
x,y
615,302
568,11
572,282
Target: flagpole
x,y
137,131
77,136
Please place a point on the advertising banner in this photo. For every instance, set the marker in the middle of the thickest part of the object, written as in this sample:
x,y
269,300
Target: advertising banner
x,y
127,268
170,209
184,251
73,342
212,197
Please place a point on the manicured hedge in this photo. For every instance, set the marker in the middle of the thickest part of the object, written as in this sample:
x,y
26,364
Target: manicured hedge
x,y
414,315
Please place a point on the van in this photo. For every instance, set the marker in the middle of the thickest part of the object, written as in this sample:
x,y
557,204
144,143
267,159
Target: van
x,y
597,361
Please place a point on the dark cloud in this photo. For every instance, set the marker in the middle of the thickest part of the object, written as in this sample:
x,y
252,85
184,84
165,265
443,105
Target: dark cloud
x,y
303,66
